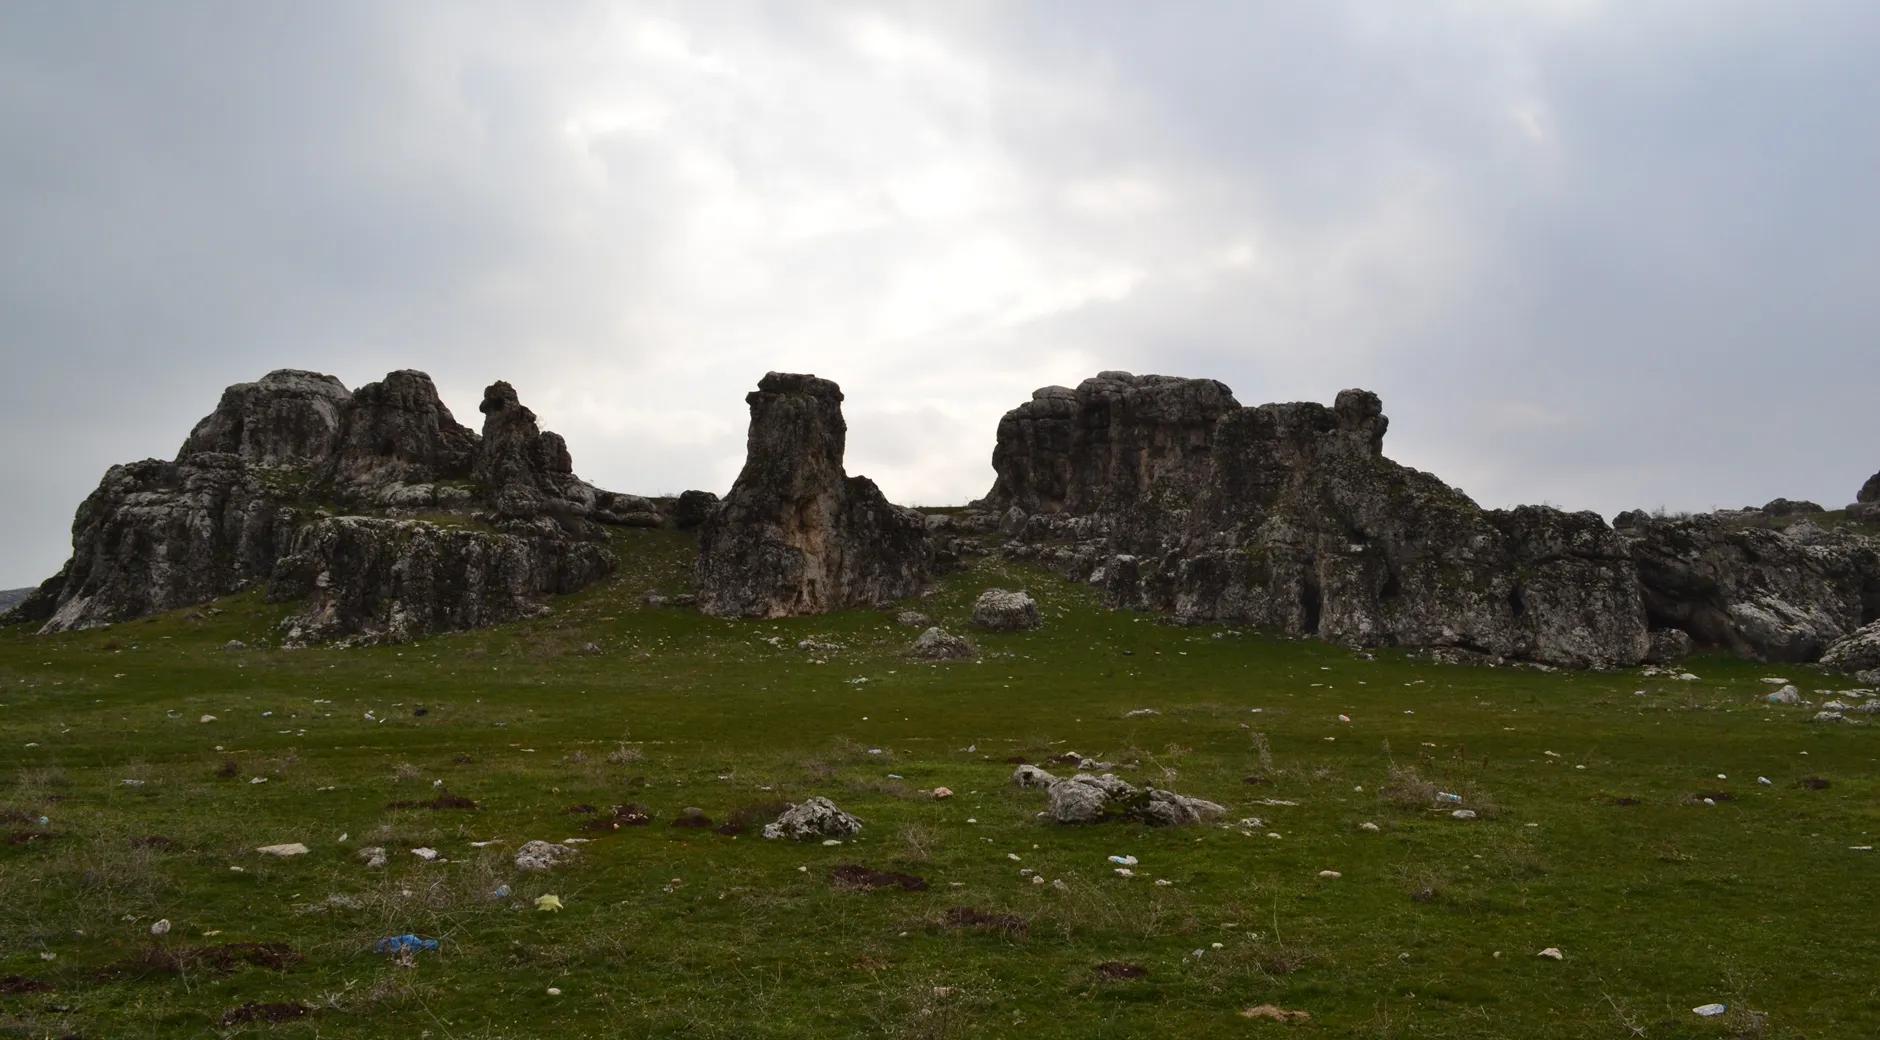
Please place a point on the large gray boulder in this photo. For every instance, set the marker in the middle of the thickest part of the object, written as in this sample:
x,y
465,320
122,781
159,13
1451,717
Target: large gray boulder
x,y
397,434
1087,798
1870,491
937,644
1000,610
813,818
797,534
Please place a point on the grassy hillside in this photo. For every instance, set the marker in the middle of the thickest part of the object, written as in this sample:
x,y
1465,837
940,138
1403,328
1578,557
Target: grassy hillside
x,y
1592,834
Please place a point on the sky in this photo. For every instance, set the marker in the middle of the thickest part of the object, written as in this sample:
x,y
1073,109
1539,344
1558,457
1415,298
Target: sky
x,y
1598,255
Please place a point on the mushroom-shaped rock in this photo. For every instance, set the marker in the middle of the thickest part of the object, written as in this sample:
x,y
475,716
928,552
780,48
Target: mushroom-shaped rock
x,y
816,817
998,610
796,534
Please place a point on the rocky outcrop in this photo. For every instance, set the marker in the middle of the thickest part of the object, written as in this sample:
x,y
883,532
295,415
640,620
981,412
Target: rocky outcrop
x,y
796,534
1870,491
1775,594
1856,653
1289,516
400,446
287,417
1115,442
296,485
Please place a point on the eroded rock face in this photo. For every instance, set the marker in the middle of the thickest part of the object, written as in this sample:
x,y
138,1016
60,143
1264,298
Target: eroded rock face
x,y
398,435
1856,653
286,417
253,498
1116,441
796,534
1870,491
1289,516
1774,595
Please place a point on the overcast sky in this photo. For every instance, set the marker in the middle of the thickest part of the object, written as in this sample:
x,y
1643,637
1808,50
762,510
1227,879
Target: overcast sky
x,y
1597,254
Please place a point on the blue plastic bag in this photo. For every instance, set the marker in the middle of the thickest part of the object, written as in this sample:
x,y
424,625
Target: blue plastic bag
x,y
406,943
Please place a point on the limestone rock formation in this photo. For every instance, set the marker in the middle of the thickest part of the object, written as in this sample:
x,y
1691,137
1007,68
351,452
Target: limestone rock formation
x,y
796,534
1288,516
1856,653
398,443
286,417
1775,595
294,484
1115,441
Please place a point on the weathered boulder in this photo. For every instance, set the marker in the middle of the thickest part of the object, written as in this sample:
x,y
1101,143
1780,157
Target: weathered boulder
x,y
1027,775
1086,798
796,534
816,817
1668,646
1856,653
937,644
999,610
692,509
1870,491
1288,516
541,855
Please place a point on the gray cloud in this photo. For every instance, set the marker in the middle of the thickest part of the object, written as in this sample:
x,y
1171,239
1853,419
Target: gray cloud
x,y
1597,254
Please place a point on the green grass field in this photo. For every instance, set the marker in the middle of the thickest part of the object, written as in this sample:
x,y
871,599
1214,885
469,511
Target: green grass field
x,y
1592,835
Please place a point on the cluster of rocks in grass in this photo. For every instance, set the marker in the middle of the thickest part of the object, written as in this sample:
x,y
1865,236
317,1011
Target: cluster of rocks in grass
x,y
374,510
1171,496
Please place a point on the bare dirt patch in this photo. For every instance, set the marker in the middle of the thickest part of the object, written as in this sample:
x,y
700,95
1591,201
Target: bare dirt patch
x,y
252,1012
974,919
857,878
